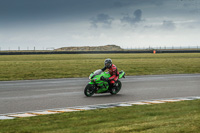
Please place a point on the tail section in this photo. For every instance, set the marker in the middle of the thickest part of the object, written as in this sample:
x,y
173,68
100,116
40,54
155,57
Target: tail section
x,y
121,74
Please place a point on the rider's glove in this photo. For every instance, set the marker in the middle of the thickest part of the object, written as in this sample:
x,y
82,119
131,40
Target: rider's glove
x,y
105,79
102,78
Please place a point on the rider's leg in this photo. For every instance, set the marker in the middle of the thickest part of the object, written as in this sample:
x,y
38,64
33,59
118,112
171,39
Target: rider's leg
x,y
115,79
111,84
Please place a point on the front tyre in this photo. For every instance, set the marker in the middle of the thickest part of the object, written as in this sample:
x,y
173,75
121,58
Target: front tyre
x,y
89,90
116,88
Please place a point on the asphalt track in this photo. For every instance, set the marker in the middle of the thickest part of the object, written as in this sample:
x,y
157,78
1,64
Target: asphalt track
x,y
30,95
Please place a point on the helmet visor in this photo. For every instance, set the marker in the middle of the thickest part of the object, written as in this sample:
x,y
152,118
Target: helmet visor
x,y
107,65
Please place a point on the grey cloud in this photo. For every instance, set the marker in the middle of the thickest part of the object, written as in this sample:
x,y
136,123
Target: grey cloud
x,y
168,25
124,3
135,18
118,4
37,12
101,19
19,10
38,8
157,2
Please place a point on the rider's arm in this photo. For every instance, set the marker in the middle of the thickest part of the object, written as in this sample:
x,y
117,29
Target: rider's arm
x,y
112,77
114,74
103,69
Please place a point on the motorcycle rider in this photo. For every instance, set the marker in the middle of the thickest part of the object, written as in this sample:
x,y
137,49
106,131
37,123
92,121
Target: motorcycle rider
x,y
113,72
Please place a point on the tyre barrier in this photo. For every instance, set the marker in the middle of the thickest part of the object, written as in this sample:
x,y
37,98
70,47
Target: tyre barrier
x,y
100,52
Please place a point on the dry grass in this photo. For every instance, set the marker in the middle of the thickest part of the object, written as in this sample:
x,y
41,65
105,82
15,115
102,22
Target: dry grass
x,y
20,67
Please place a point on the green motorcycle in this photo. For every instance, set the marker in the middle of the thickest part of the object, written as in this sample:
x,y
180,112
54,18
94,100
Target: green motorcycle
x,y
97,85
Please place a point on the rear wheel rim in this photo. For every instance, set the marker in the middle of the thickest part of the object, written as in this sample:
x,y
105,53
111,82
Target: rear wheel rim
x,y
116,89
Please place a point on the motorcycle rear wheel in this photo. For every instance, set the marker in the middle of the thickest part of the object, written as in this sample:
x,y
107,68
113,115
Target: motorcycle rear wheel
x,y
89,90
117,88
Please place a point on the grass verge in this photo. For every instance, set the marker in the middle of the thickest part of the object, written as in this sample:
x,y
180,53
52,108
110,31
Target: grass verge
x,y
168,117
22,67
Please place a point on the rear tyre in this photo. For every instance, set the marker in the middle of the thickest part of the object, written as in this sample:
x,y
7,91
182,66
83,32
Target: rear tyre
x,y
89,90
116,88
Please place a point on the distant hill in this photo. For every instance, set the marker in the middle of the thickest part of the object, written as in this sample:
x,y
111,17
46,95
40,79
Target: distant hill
x,y
92,48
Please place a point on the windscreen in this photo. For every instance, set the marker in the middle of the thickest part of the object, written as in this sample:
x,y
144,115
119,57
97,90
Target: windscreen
x,y
97,72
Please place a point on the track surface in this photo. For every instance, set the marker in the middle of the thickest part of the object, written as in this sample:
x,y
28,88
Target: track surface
x,y
29,95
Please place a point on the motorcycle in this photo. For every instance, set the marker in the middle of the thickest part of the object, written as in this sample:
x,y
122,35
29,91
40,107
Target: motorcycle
x,y
98,85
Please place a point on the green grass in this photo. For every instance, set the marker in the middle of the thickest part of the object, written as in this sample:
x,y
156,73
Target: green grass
x,y
20,67
176,117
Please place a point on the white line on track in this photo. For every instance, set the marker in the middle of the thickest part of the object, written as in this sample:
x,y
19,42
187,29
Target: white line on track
x,y
97,106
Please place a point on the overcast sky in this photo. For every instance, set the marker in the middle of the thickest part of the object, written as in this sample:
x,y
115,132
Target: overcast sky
x,y
127,23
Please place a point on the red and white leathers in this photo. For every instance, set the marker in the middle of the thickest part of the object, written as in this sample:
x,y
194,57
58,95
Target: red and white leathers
x,y
113,72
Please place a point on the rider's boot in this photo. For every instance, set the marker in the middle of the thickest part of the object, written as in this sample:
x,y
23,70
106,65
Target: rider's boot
x,y
110,87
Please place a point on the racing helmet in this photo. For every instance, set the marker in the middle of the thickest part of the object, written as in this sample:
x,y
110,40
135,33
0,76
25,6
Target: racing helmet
x,y
108,63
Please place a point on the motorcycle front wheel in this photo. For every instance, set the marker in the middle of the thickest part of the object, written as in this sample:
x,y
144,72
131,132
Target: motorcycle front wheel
x,y
89,90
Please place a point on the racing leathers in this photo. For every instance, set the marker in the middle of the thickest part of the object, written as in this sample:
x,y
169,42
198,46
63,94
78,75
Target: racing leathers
x,y
113,72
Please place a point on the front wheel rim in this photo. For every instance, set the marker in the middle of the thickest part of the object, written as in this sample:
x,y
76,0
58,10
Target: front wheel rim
x,y
89,91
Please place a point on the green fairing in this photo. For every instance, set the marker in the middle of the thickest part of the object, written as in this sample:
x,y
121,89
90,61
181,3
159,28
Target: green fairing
x,y
102,85
121,74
